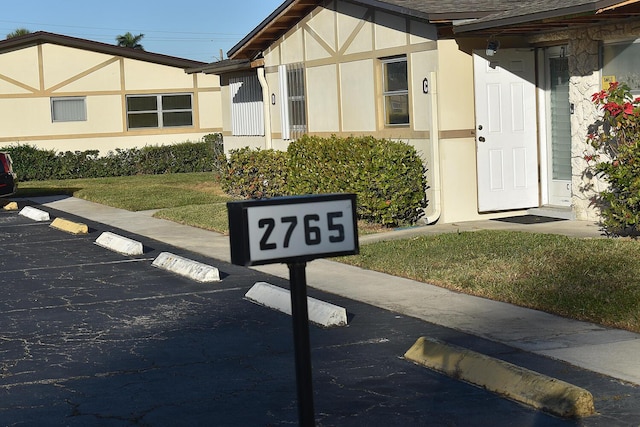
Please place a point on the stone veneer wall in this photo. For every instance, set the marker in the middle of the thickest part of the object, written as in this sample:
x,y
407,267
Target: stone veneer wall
x,y
584,69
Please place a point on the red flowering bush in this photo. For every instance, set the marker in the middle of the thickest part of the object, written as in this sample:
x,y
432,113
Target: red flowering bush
x,y
616,140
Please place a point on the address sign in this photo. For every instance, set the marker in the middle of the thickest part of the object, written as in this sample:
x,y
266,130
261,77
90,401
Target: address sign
x,y
292,229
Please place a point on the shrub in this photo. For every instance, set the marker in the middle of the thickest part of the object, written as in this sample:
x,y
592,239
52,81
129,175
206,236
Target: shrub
x,y
175,158
33,164
255,174
217,149
616,140
387,176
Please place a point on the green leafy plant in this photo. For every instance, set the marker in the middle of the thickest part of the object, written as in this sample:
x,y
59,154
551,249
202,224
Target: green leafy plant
x,y
615,138
255,174
387,176
33,164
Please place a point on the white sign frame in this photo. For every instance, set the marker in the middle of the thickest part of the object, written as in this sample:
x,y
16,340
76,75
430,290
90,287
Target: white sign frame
x,y
292,229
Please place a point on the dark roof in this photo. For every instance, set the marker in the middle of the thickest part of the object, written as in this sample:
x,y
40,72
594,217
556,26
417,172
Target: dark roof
x,y
290,12
40,37
221,67
477,17
527,17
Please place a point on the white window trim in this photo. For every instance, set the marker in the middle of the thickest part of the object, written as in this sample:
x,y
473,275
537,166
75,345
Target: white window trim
x,y
83,117
385,93
284,103
159,110
289,130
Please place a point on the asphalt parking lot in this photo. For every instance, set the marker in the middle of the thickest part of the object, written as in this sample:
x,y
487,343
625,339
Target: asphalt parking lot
x,y
92,337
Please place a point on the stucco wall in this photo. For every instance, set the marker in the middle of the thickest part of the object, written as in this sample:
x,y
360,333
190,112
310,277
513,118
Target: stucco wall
x,y
340,47
31,76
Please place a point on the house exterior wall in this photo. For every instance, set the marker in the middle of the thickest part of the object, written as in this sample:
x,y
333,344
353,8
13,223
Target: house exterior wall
x,y
31,76
340,46
585,71
456,111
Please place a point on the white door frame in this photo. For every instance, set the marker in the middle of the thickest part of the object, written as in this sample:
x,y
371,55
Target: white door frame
x,y
544,127
543,130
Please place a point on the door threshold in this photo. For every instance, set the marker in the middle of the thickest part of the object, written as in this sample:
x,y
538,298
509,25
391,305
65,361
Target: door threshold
x,y
562,212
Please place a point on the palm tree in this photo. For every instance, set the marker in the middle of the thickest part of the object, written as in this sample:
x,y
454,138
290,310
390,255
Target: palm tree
x,y
131,41
18,32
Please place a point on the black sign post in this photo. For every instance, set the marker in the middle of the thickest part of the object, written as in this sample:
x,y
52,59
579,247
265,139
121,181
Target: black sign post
x,y
294,230
302,343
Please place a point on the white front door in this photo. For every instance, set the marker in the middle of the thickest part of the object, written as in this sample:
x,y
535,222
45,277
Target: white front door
x,y
506,136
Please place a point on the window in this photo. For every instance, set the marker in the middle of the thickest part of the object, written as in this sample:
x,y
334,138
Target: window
x,y
293,111
395,91
247,110
71,109
621,63
159,111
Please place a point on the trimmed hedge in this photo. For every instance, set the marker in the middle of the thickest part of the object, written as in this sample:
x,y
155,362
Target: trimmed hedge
x,y
387,176
33,164
256,174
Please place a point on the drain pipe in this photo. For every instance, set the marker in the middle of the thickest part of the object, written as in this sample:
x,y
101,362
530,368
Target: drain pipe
x,y
435,151
268,142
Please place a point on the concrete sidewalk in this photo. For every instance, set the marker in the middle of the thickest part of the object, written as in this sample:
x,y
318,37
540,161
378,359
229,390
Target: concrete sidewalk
x,y
611,352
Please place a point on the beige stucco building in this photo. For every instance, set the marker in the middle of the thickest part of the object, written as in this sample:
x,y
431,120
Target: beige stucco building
x,y
64,93
495,95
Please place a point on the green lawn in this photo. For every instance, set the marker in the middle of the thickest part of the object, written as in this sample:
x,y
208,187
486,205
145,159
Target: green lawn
x,y
136,193
596,280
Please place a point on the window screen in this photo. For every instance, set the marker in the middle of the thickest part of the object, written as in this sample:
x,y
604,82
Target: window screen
x,y
68,109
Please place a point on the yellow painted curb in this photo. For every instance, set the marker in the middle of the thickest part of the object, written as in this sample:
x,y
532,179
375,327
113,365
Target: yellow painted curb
x,y
69,226
514,382
11,206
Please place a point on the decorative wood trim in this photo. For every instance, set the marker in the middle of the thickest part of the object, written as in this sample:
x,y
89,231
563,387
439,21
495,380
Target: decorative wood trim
x,y
82,74
8,79
457,134
41,67
165,131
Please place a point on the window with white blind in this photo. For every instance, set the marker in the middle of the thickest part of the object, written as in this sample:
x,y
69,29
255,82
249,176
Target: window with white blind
x,y
159,111
294,106
247,113
68,109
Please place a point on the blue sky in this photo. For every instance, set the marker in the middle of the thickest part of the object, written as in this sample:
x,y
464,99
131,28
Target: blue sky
x,y
193,29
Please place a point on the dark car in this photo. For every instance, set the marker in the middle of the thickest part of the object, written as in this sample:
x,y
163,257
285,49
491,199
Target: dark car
x,y
8,179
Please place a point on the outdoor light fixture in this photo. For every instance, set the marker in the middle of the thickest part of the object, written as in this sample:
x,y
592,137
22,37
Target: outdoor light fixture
x,y
492,47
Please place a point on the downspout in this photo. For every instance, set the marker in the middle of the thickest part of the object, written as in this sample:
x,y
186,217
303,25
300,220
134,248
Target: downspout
x,y
435,151
268,142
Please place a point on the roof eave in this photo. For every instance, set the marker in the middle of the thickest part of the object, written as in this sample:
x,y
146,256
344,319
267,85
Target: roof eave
x,y
222,67
524,19
40,37
258,29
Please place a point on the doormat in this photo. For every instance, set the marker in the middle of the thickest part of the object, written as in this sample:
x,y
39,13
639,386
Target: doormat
x,y
529,219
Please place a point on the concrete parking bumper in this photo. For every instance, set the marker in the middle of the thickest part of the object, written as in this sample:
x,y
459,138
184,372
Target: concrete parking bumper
x,y
514,382
194,270
320,312
34,214
120,244
69,226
